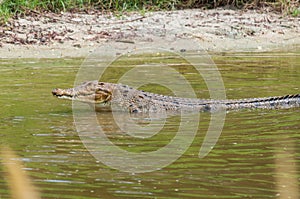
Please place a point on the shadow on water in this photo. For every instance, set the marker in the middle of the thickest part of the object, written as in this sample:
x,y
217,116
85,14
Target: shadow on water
x,y
256,156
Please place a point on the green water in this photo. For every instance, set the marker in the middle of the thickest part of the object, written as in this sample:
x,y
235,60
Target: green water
x,y
256,156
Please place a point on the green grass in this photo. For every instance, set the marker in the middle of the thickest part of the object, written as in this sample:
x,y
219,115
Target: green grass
x,y
9,8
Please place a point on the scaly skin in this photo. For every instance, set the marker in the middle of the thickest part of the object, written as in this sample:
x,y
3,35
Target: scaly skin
x,y
136,101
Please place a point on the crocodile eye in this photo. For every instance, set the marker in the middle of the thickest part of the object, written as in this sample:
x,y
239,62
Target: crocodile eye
x,y
101,83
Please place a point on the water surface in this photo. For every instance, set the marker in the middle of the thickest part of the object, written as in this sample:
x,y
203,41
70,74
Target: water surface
x,y
256,156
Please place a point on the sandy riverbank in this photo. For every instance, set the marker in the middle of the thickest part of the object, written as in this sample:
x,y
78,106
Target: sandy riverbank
x,y
76,35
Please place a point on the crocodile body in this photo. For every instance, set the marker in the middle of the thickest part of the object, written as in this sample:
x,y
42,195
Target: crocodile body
x,y
137,101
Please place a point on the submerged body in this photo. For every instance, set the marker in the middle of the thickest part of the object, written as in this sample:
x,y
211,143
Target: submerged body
x,y
137,101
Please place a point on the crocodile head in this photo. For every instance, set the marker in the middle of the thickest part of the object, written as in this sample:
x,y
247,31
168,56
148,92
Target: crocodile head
x,y
90,92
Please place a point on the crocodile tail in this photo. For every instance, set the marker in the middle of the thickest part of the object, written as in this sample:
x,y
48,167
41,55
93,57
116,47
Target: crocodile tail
x,y
281,102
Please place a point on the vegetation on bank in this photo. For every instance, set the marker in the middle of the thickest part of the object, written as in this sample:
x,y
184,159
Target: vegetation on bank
x,y
10,8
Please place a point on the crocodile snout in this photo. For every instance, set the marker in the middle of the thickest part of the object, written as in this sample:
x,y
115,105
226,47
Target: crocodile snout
x,y
57,92
62,93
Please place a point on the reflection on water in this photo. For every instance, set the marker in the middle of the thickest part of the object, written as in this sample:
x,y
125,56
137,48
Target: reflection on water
x,y
256,156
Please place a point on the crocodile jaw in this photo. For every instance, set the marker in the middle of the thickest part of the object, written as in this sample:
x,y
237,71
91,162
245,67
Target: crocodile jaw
x,y
71,94
90,92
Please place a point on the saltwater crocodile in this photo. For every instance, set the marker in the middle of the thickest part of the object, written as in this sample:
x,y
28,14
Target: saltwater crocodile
x,y
137,101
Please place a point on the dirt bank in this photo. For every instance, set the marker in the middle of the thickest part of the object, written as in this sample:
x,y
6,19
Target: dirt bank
x,y
75,35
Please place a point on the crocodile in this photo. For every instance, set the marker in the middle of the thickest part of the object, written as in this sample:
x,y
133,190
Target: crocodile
x,y
138,101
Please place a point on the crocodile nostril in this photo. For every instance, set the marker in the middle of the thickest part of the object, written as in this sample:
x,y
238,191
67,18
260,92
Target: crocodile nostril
x,y
56,92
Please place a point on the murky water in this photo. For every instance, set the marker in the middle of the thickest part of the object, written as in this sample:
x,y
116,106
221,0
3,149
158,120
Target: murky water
x,y
256,156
